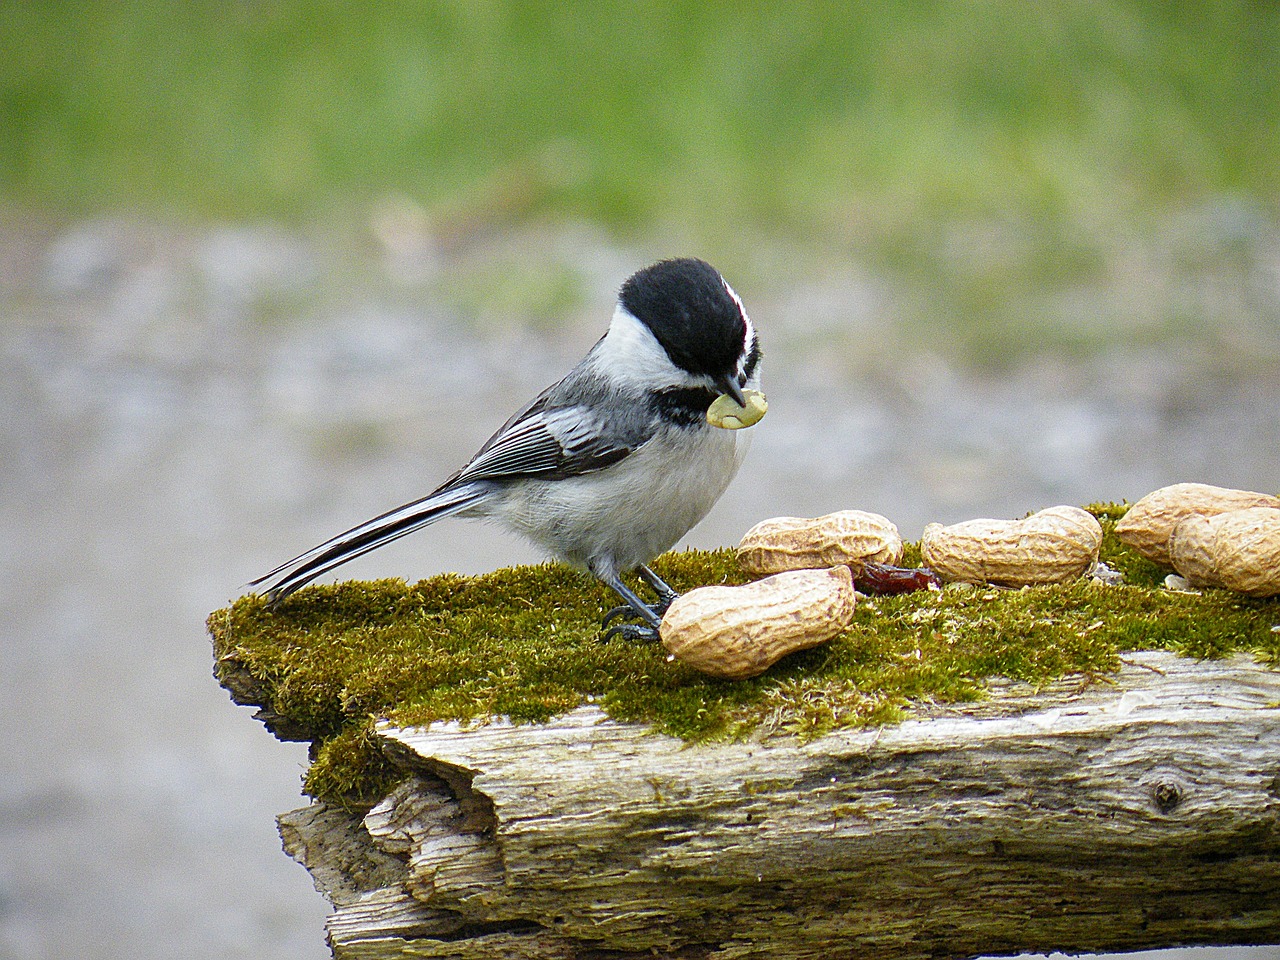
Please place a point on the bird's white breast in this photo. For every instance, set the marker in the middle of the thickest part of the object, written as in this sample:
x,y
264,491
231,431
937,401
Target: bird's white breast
x,y
624,515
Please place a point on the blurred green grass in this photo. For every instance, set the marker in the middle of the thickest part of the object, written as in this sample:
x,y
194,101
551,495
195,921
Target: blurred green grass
x,y
787,114
992,152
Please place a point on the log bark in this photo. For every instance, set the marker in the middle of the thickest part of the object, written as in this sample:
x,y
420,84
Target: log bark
x,y
1137,812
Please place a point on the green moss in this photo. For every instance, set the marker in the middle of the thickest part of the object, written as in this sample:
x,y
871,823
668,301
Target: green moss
x,y
1137,570
523,642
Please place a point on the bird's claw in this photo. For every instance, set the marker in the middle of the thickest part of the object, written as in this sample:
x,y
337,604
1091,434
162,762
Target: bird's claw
x,y
626,610
664,601
647,632
637,609
634,632
622,610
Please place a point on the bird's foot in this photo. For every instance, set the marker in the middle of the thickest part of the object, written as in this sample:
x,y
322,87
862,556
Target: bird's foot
x,y
653,612
647,631
632,632
637,609
666,594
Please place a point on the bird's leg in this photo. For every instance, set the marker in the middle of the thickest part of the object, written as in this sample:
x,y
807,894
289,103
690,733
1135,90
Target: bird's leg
x,y
635,607
664,591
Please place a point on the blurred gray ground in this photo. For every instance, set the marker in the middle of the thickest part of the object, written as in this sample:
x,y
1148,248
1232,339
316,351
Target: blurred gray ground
x,y
183,409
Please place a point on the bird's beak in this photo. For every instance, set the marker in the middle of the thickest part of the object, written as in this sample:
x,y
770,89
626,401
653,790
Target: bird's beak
x,y
729,384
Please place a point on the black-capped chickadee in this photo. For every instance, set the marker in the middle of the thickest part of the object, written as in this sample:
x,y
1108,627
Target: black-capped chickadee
x,y
612,465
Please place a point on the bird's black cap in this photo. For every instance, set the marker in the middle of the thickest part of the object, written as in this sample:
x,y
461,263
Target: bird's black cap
x,y
687,306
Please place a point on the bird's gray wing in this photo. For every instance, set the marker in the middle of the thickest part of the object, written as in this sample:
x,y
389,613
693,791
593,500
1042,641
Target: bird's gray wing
x,y
552,442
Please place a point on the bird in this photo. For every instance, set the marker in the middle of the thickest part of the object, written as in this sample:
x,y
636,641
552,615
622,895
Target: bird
x,y
612,465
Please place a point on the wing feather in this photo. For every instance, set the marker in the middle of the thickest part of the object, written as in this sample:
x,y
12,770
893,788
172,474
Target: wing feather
x,y
549,444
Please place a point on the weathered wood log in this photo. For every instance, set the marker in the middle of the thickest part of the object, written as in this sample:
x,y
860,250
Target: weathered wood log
x,y
1137,812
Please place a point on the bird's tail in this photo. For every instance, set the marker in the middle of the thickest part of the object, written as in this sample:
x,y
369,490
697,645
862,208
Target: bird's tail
x,y
370,535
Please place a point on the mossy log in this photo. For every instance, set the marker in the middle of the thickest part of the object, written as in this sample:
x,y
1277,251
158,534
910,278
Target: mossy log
x,y
1139,811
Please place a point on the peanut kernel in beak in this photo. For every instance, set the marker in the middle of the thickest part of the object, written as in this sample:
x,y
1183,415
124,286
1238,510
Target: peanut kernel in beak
x,y
725,413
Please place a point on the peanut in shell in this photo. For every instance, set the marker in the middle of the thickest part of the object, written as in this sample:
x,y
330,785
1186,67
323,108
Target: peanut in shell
x,y
739,632
1237,550
1053,546
848,537
1148,525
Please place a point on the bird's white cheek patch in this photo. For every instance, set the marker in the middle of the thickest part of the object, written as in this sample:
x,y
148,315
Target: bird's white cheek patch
x,y
725,413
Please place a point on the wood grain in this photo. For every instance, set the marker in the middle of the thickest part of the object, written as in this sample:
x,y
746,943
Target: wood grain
x,y
1139,812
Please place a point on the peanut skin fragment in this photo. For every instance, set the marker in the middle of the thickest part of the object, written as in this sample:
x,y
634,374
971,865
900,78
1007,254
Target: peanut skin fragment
x,y
848,537
739,632
1053,546
886,581
1148,525
1237,550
